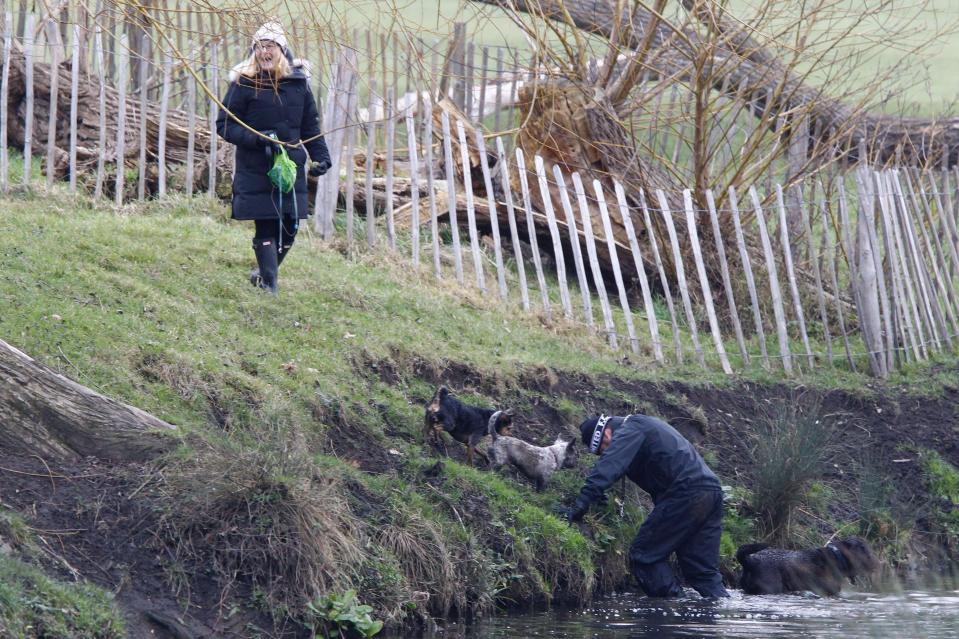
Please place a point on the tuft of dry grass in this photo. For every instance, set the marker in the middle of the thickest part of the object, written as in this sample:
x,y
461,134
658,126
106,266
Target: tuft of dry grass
x,y
265,521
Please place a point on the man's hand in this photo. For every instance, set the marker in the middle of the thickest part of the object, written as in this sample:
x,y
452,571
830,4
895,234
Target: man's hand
x,y
319,168
573,513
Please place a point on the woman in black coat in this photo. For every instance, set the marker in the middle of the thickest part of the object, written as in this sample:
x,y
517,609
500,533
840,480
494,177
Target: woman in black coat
x,y
270,94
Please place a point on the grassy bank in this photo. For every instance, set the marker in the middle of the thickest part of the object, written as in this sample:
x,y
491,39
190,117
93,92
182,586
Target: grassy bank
x,y
301,473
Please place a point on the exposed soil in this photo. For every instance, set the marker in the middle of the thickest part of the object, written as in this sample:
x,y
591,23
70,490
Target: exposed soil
x,y
93,519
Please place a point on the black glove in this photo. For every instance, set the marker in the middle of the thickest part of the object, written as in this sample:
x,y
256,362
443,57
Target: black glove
x,y
572,514
319,168
270,147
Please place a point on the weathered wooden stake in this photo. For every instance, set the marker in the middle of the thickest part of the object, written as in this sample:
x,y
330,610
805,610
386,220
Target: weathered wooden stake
x,y
122,71
503,163
5,102
727,280
28,85
470,208
554,234
164,105
791,275
573,235
704,282
663,279
493,215
774,289
531,232
451,196
640,271
681,276
614,260
594,261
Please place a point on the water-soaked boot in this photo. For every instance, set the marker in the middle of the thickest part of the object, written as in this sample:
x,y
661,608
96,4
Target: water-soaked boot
x,y
266,258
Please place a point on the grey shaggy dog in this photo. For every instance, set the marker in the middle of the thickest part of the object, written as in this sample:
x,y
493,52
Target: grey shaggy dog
x,y
768,571
538,463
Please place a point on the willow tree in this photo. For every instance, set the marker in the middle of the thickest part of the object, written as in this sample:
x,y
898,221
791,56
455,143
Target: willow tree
x,y
778,89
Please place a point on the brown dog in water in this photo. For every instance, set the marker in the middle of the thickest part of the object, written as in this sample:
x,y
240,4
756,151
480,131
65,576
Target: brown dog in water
x,y
769,571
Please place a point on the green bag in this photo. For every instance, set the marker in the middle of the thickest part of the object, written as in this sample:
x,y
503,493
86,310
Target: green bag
x,y
283,172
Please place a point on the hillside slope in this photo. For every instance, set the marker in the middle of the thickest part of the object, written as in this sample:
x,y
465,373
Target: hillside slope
x,y
302,472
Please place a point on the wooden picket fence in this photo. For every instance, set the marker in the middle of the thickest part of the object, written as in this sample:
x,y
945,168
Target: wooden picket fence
x,y
868,283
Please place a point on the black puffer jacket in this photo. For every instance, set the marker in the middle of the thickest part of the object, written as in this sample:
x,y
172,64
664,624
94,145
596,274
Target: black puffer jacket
x,y
286,107
653,455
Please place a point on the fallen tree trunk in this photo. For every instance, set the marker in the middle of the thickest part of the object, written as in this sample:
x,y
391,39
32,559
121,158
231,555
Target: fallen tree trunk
x,y
44,413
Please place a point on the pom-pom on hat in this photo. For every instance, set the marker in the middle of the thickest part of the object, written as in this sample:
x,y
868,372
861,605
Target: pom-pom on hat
x,y
272,31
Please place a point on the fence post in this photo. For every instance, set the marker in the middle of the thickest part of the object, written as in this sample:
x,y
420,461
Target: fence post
x,y
554,234
414,190
681,276
594,261
614,259
102,141
900,292
869,268
727,280
704,282
390,137
663,279
53,37
531,232
214,88
774,290
4,101
574,244
470,208
349,140
784,224
503,163
934,315
28,82
161,139
431,188
450,195
191,123
142,68
493,215
817,274
640,272
124,66
370,149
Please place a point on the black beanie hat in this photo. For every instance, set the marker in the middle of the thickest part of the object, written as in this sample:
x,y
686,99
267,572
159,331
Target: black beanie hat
x,y
586,429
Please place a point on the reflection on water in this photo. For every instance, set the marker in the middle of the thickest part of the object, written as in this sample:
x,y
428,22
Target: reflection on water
x,y
926,614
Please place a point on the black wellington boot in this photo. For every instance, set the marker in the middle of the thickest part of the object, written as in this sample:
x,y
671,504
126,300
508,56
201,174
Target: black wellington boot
x,y
266,258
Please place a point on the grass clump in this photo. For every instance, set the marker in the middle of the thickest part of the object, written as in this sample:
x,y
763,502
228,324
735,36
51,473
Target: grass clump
x,y
263,519
942,479
33,605
794,445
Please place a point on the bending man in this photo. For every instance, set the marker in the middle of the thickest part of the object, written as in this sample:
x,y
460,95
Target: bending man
x,y
688,514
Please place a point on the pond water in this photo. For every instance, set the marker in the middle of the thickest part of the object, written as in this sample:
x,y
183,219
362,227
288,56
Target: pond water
x,y
921,614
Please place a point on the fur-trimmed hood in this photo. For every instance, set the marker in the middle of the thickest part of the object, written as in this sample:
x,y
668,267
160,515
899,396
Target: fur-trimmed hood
x,y
301,69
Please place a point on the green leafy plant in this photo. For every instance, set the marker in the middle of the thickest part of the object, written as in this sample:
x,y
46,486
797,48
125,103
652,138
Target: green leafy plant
x,y
344,616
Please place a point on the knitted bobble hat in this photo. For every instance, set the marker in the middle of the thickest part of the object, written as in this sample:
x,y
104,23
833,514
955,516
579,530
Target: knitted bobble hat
x,y
273,32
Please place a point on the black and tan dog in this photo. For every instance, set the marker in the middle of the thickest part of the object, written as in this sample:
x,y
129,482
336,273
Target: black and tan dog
x,y
538,463
466,424
768,571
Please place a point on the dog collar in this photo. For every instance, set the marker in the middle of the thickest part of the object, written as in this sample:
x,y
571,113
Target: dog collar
x,y
840,558
597,438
